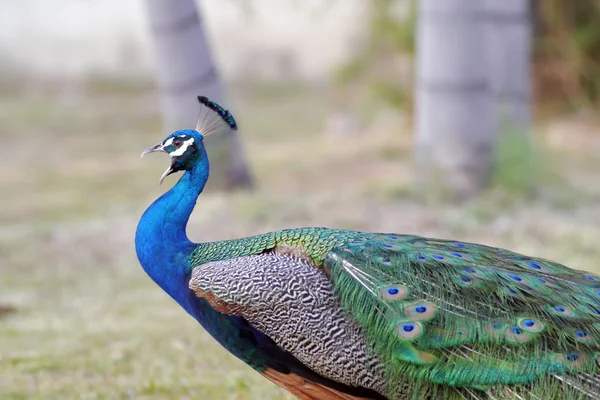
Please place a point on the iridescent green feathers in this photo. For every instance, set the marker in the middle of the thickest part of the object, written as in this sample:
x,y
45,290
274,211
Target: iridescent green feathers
x,y
467,315
448,318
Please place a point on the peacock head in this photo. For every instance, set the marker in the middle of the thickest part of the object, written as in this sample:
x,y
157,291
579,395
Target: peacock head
x,y
186,147
183,147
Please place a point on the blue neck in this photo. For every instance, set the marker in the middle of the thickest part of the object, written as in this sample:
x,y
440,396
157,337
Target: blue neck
x,y
161,243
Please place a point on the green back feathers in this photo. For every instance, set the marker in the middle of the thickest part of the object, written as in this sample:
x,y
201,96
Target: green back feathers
x,y
313,242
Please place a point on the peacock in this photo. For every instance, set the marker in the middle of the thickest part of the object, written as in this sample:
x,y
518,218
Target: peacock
x,y
341,314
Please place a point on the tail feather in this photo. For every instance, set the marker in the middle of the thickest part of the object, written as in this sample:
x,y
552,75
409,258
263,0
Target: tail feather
x,y
472,317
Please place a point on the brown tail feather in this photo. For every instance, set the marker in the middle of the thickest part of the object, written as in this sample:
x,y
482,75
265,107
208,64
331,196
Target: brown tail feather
x,y
304,389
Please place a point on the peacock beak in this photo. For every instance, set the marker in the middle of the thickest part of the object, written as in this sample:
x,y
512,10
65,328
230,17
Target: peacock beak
x,y
167,172
155,148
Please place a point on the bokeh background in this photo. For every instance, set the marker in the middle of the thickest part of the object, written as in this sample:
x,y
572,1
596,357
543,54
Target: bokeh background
x,y
335,101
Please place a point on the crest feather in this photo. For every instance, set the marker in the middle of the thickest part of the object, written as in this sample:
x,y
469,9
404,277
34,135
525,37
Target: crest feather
x,y
213,118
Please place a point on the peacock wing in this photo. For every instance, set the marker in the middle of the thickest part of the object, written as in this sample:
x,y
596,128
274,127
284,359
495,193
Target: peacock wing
x,y
449,314
322,351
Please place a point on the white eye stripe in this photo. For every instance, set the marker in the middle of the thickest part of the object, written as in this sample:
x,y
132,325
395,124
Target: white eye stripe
x,y
183,148
168,142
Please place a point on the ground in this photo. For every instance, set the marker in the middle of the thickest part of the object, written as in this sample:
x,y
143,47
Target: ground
x,y
89,324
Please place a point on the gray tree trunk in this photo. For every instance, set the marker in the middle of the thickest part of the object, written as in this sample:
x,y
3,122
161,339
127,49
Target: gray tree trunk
x,y
184,70
508,41
454,122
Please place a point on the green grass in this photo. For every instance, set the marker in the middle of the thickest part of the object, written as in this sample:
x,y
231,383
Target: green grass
x,y
89,324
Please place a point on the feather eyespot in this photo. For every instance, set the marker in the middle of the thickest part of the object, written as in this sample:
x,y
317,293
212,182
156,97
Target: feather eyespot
x,y
409,330
437,257
422,311
534,265
384,260
455,254
383,238
470,270
514,334
530,325
562,310
573,359
496,328
590,278
465,281
515,277
546,282
584,336
459,244
394,292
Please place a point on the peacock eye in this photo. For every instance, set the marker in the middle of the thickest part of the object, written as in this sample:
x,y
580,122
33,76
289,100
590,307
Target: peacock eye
x,y
177,142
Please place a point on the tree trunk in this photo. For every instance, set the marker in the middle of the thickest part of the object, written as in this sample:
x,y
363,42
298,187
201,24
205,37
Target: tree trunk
x,y
184,70
453,103
508,44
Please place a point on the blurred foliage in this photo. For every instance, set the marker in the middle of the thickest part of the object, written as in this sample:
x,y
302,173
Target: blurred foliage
x,y
566,52
517,164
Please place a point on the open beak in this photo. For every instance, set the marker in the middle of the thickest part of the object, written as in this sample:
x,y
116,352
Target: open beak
x,y
167,172
153,149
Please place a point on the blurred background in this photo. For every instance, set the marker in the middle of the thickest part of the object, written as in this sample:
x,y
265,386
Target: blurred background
x,y
473,121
